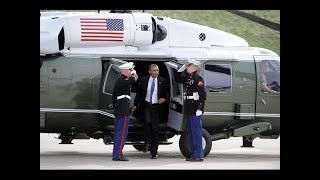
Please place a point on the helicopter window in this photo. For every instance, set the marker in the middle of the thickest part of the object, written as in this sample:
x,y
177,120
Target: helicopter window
x,y
270,76
112,75
218,78
175,86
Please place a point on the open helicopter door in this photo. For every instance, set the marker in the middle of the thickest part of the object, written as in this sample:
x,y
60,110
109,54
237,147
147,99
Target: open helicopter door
x,y
111,72
175,119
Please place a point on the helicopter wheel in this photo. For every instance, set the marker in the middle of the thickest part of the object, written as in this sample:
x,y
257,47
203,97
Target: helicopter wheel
x,y
184,144
140,147
247,141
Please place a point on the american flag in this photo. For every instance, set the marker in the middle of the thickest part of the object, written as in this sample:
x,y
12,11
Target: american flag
x,y
101,29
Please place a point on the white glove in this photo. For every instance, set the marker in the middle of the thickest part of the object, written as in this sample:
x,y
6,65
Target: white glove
x,y
182,68
198,113
134,74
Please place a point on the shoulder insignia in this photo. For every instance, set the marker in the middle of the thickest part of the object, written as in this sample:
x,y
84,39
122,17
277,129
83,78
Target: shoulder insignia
x,y
200,83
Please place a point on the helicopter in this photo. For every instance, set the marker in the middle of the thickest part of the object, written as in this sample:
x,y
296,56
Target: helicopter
x,y
80,55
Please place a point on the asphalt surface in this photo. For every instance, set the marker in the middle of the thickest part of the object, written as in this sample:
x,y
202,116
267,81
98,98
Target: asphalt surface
x,y
93,154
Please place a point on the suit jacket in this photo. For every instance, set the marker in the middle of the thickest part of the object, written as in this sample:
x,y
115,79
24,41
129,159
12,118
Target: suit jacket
x,y
163,90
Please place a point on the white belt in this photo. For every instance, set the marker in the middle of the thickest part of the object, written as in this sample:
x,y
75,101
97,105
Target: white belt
x,y
194,97
124,96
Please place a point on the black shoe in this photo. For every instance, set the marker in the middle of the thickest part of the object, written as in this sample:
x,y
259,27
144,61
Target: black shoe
x,y
120,159
196,160
154,157
188,159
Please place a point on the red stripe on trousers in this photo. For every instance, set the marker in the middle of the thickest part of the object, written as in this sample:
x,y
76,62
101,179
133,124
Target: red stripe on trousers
x,y
122,134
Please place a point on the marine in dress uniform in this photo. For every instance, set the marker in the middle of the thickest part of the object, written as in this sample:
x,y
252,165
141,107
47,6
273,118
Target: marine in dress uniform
x,y
194,101
121,103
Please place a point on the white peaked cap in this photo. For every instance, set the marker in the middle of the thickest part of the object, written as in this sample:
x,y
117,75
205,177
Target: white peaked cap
x,y
190,61
193,61
128,65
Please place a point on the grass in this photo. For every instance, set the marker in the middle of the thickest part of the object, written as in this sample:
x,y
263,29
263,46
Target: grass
x,y
271,15
255,34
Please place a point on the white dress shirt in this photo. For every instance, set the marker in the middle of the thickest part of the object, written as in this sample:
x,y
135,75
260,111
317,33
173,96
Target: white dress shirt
x,y
155,92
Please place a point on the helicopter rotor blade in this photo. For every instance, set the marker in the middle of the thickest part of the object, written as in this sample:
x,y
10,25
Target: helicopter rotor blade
x,y
256,19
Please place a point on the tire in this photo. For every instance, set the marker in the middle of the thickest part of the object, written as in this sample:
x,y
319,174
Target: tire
x,y
139,147
184,143
246,142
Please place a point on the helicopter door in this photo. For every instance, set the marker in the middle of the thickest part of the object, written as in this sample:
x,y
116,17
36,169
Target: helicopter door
x,y
175,120
111,73
268,89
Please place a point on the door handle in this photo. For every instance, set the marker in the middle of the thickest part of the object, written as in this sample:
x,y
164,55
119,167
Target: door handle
x,y
264,102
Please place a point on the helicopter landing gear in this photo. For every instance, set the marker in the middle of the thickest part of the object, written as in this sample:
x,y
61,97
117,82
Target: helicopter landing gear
x,y
66,138
247,141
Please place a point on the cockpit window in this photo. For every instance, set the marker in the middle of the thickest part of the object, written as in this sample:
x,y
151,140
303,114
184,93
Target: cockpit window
x,y
270,76
112,75
218,78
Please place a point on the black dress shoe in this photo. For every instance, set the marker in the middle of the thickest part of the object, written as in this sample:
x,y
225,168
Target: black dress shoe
x,y
196,160
120,159
188,159
154,157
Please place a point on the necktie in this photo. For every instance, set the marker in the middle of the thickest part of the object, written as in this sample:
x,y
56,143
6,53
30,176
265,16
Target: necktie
x,y
152,89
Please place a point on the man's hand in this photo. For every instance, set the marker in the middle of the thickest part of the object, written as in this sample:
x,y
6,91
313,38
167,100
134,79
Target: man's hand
x,y
182,68
133,109
198,113
134,75
161,100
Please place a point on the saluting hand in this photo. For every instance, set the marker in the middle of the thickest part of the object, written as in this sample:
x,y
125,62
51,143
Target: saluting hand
x,y
134,75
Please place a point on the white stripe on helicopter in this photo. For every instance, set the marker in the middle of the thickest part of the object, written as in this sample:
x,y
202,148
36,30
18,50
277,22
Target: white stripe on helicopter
x,y
205,113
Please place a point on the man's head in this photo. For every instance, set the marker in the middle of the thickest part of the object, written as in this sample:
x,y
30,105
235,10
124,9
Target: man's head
x,y
126,69
154,70
192,66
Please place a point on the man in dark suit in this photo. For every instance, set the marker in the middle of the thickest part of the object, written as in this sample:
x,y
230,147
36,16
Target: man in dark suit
x,y
153,92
